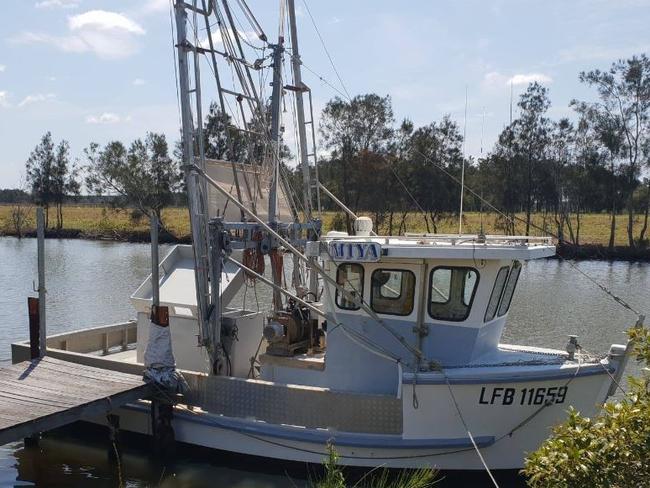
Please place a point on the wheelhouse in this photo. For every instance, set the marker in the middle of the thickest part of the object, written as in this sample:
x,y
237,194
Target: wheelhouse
x,y
447,296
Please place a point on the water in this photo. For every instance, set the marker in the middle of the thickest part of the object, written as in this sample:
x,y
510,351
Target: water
x,y
89,283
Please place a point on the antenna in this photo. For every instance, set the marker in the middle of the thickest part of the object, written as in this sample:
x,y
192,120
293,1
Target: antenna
x,y
462,173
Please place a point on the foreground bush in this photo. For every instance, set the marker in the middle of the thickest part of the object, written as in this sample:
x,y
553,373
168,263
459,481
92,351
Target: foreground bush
x,y
381,478
610,450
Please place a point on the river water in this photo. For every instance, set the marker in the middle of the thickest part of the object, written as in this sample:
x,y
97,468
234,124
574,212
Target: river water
x,y
89,283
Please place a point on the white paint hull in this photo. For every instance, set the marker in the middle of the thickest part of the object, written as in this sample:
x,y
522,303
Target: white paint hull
x,y
435,432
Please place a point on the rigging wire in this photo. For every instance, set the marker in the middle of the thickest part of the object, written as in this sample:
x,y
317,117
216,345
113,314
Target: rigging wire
x,y
512,219
174,62
322,41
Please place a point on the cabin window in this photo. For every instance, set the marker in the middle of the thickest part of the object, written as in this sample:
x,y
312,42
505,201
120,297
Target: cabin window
x,y
451,292
350,277
393,291
499,283
510,288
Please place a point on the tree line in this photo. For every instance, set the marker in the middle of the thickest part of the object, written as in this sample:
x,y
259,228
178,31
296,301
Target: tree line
x,y
561,169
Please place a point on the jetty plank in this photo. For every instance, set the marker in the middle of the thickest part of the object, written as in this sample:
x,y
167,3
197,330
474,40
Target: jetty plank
x,y
46,393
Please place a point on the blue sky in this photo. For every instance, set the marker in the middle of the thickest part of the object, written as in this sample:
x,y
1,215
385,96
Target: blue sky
x,y
93,70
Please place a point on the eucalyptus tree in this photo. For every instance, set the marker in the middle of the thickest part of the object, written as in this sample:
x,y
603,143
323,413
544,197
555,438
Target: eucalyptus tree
x,y
531,136
142,176
562,146
65,182
38,170
51,176
435,152
355,131
221,138
623,111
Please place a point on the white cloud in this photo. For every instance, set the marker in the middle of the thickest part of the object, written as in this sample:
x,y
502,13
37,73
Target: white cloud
x,y
494,79
152,6
109,35
102,20
4,99
105,118
527,78
58,4
139,82
3,68
36,98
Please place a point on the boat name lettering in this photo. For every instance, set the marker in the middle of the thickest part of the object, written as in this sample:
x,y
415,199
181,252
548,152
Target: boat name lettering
x,y
523,396
355,251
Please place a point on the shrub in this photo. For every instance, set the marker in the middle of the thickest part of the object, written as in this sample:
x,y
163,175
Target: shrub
x,y
377,478
610,450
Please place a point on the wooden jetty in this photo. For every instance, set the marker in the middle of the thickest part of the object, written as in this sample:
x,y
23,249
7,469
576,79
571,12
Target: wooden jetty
x,y
45,393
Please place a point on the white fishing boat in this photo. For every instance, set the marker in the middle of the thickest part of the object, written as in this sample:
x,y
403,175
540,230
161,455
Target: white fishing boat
x,y
387,347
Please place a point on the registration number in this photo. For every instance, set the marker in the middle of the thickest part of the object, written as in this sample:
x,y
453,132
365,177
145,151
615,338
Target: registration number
x,y
523,396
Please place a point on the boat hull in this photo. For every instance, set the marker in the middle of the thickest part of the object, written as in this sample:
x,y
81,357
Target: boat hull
x,y
434,433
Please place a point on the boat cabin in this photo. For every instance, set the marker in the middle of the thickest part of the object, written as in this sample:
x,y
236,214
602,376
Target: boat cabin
x,y
446,296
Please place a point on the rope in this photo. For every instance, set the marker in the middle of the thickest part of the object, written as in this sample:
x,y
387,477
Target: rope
x,y
469,433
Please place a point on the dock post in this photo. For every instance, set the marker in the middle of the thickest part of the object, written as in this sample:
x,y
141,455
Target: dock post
x,y
114,452
34,328
162,412
155,261
40,234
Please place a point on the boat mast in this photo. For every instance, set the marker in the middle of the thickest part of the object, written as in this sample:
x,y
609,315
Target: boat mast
x,y
276,108
300,109
208,335
299,89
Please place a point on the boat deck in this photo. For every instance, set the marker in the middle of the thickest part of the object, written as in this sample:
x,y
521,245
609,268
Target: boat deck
x,y
43,394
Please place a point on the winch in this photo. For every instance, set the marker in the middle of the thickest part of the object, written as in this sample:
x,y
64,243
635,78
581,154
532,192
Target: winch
x,y
291,331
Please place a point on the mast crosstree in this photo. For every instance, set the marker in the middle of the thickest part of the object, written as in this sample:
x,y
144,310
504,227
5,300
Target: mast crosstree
x,y
257,172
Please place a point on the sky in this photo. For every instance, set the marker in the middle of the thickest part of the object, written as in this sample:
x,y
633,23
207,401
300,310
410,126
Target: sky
x,y
100,70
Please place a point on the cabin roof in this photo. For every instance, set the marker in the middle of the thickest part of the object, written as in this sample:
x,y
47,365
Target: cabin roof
x,y
446,246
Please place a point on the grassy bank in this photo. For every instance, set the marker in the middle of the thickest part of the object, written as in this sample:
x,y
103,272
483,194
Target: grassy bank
x,y
95,222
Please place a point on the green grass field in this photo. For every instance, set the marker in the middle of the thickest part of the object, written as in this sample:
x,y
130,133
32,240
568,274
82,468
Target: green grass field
x,y
95,221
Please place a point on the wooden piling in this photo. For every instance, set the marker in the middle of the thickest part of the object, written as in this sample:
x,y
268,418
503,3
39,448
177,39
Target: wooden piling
x,y
40,233
34,327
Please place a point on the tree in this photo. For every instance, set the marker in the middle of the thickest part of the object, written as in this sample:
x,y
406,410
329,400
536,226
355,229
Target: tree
x,y
430,150
610,450
218,132
64,180
624,110
531,135
39,173
351,130
144,176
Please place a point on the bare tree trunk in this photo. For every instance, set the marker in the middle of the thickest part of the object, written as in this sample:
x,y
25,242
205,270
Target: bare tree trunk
x,y
612,230
630,221
577,243
433,222
402,224
645,215
569,225
426,221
